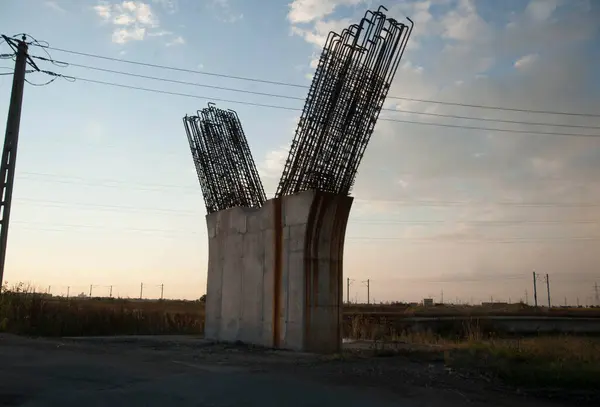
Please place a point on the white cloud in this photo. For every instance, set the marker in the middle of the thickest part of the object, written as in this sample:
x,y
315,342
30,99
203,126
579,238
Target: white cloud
x,y
553,71
526,61
123,35
541,10
103,10
160,33
224,12
305,11
54,5
176,41
170,5
135,20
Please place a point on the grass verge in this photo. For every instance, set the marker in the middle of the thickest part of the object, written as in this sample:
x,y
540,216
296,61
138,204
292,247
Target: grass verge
x,y
27,313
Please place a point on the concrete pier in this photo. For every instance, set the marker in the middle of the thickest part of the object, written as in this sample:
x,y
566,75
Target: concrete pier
x,y
275,273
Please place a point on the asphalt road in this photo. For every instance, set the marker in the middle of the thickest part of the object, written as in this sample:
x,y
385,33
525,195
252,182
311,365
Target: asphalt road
x,y
188,372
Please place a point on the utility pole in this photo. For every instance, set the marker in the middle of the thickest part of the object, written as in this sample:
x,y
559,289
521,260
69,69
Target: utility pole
x,y
68,289
91,286
526,297
49,289
534,289
348,290
597,294
368,291
162,287
141,290
9,152
442,297
110,293
548,287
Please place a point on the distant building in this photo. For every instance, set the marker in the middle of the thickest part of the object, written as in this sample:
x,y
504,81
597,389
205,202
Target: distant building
x,y
428,302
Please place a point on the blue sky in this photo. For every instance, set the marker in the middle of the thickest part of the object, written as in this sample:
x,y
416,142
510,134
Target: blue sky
x,y
106,191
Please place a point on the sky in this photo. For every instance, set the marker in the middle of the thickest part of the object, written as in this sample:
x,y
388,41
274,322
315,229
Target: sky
x,y
106,191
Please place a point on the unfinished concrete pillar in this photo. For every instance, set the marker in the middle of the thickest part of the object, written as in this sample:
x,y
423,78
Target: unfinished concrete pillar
x,y
275,273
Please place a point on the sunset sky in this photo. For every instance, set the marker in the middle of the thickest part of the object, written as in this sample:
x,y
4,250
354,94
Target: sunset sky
x,y
106,191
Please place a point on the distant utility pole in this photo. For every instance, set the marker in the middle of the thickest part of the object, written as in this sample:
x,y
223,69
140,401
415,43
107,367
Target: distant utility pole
x,y
597,294
162,287
110,292
141,290
91,286
68,289
534,290
548,287
368,290
11,139
348,290
442,297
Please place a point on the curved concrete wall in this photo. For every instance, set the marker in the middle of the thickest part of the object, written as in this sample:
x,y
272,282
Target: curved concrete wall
x,y
275,274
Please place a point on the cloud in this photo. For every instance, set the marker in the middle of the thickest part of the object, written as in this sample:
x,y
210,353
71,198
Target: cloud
x,y
135,20
176,41
171,6
541,10
473,174
130,18
54,5
305,11
224,12
526,61
160,33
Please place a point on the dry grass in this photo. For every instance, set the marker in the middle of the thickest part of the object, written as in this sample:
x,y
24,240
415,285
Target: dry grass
x,y
24,312
556,362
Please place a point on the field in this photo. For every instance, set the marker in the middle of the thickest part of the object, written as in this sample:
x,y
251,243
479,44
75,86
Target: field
x,y
560,361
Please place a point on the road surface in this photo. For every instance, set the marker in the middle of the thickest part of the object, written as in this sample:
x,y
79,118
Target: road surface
x,y
179,371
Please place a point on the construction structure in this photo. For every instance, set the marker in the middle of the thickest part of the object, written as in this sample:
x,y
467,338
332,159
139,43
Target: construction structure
x,y
275,266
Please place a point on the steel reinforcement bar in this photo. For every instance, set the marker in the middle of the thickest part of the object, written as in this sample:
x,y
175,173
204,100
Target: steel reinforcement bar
x,y
226,170
349,87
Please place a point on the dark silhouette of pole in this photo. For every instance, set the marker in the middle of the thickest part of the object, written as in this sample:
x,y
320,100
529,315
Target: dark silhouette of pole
x,y
534,290
110,293
367,284
162,287
348,290
91,286
9,152
548,287
68,289
141,290
597,294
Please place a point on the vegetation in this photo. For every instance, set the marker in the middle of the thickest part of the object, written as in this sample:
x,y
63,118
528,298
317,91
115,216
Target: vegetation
x,y
564,362
25,312
560,362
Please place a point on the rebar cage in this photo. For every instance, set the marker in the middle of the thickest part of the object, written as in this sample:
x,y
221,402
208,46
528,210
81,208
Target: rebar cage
x,y
226,170
347,93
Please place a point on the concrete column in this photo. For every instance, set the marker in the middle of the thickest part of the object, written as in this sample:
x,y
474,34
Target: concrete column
x,y
275,273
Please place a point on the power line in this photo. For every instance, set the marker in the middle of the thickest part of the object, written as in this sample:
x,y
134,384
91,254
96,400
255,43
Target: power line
x,y
480,106
178,81
111,183
298,109
452,116
172,68
60,227
302,99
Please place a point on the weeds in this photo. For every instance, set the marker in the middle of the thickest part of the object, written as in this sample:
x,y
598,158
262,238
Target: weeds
x,y
563,362
22,311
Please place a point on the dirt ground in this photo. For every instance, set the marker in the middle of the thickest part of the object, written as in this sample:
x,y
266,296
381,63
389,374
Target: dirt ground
x,y
187,371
